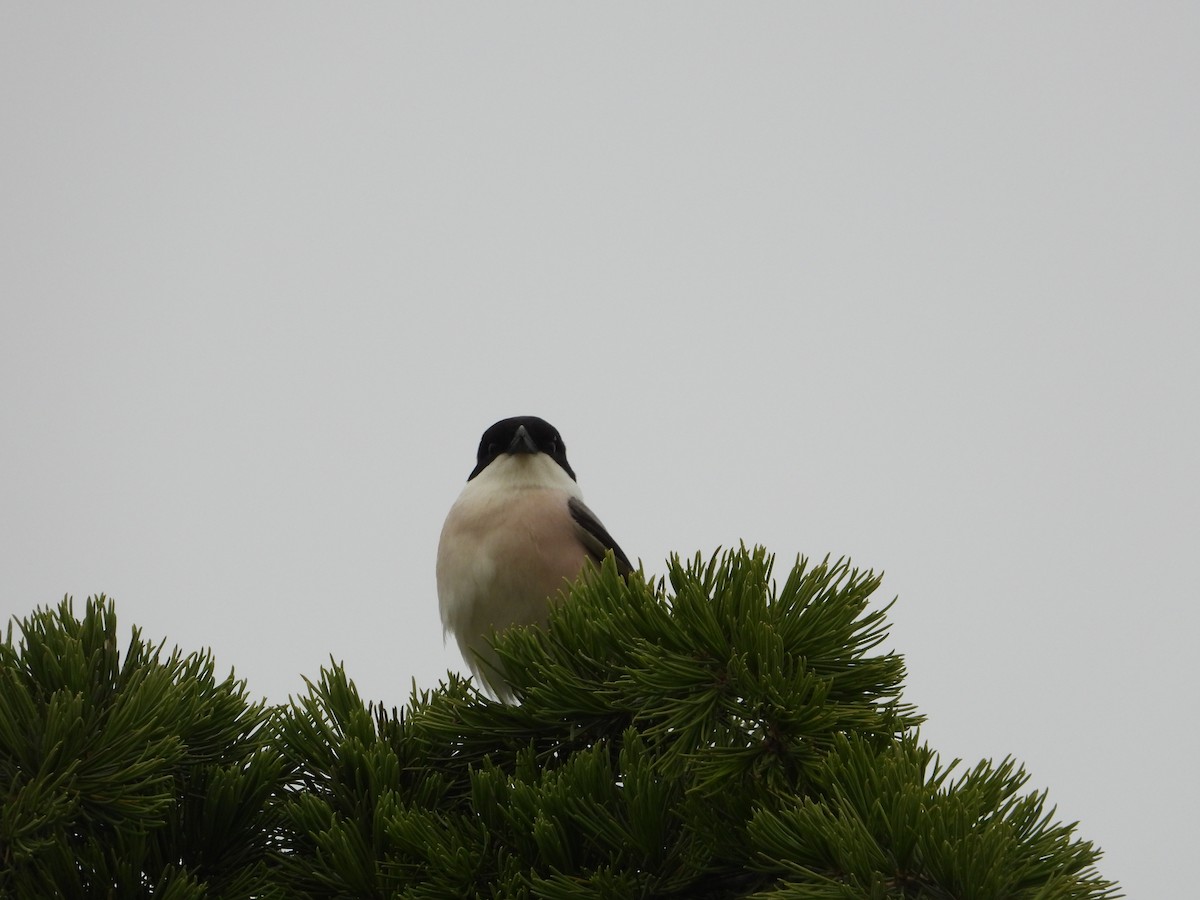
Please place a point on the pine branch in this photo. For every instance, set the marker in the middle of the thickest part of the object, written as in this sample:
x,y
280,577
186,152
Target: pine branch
x,y
726,738
127,776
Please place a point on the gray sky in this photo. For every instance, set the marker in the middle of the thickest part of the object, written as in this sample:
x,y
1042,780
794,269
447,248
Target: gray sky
x,y
912,285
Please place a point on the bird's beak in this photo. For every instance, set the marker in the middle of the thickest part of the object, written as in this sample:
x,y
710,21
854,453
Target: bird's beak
x,y
522,442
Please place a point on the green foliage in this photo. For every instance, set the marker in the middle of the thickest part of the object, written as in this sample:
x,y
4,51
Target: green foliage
x,y
134,776
726,739
885,823
714,735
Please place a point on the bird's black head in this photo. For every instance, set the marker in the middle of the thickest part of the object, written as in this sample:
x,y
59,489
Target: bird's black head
x,y
521,434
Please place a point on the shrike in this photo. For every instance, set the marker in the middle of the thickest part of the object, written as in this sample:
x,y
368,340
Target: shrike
x,y
517,535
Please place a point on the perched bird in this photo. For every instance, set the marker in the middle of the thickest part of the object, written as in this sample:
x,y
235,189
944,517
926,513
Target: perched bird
x,y
517,535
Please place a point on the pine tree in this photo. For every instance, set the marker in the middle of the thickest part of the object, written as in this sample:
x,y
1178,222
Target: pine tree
x,y
141,776
712,735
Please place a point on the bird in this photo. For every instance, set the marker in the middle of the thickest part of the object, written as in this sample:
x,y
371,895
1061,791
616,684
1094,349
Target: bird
x,y
517,535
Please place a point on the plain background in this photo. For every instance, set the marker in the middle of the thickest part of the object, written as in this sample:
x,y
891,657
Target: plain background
x,y
915,285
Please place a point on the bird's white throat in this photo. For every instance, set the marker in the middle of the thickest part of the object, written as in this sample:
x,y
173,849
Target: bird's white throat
x,y
517,471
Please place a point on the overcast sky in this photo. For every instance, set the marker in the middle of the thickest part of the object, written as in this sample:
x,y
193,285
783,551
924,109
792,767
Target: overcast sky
x,y
916,285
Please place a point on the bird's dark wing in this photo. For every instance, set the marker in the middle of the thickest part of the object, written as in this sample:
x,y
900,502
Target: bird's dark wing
x,y
595,537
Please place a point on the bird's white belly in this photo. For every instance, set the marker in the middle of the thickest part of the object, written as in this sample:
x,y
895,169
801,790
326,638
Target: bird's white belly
x,y
502,558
